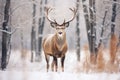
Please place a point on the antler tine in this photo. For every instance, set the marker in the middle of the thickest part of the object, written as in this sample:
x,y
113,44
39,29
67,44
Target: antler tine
x,y
73,10
64,20
55,21
48,9
74,13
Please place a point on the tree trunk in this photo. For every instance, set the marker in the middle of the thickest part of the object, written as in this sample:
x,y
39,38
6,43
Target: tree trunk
x,y
22,43
40,29
5,36
113,17
90,26
87,21
93,31
102,32
33,34
78,32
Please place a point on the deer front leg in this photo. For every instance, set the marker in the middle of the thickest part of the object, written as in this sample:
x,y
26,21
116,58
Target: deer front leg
x,y
62,63
52,65
47,60
55,63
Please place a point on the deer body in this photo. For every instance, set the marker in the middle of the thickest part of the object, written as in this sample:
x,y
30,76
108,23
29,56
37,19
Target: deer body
x,y
55,45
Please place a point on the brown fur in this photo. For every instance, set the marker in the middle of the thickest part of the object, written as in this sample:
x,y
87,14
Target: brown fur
x,y
86,64
112,68
56,47
111,65
113,48
100,60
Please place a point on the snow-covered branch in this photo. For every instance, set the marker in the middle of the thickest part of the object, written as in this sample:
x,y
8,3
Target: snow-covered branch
x,y
111,2
8,32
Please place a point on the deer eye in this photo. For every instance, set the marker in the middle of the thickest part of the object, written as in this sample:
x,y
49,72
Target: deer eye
x,y
53,24
67,24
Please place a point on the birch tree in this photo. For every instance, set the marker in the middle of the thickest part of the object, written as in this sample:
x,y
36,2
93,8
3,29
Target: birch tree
x,y
92,31
33,33
40,28
90,19
102,29
113,17
78,31
87,21
5,36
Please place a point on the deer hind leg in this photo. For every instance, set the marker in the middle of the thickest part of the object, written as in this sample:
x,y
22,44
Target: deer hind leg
x,y
47,60
62,63
54,64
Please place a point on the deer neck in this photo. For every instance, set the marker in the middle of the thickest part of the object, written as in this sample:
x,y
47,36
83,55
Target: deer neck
x,y
60,41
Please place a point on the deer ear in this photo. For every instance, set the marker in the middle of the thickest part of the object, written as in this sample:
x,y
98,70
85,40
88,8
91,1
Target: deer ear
x,y
67,24
53,24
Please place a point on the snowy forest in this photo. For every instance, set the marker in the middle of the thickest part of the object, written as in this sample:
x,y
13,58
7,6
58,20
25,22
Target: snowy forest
x,y
92,37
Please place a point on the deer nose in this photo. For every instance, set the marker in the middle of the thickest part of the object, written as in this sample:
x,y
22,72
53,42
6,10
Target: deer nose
x,y
60,32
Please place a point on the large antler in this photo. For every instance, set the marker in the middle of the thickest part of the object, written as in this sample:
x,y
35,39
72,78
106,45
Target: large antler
x,y
48,10
74,13
47,13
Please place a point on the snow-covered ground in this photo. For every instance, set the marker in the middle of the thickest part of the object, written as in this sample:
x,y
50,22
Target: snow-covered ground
x,y
37,75
19,69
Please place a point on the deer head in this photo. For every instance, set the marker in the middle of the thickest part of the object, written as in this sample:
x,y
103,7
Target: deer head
x,y
60,29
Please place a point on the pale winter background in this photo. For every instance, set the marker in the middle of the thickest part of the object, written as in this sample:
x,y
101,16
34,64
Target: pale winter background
x,y
93,39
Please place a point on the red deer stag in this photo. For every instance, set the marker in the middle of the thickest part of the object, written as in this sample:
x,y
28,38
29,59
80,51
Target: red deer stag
x,y
55,45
